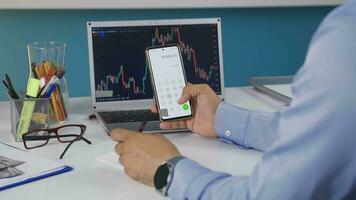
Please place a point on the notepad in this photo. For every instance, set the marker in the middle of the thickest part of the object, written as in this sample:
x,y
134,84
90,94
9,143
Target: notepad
x,y
284,89
110,159
277,87
34,168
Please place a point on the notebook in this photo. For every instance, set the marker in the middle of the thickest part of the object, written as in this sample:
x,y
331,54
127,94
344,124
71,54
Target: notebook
x,y
277,87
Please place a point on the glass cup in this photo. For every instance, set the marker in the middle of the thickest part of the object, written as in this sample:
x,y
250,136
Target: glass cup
x,y
46,60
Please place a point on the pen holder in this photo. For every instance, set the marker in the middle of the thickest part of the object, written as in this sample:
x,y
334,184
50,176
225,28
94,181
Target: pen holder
x,y
46,59
28,115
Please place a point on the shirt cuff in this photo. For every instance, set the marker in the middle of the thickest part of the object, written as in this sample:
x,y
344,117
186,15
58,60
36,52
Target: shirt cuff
x,y
185,172
230,123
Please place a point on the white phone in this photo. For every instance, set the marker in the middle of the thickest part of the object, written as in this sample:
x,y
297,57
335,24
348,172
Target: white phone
x,y
168,80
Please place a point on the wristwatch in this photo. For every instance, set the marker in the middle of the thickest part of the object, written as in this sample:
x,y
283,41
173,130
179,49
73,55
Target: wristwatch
x,y
164,175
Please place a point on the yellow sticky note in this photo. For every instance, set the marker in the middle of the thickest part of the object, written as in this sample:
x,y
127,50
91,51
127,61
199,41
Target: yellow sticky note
x,y
33,86
39,117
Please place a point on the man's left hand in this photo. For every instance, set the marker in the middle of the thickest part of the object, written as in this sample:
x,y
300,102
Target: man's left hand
x,y
141,154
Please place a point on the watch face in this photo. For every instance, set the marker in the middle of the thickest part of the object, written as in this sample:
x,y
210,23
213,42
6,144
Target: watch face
x,y
160,178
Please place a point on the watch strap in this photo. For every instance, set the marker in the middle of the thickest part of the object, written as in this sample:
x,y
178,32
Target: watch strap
x,y
173,162
170,164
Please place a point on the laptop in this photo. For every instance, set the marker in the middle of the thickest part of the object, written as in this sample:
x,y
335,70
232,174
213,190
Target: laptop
x,y
121,91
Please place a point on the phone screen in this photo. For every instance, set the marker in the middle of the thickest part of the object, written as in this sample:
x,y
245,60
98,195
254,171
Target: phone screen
x,y
168,80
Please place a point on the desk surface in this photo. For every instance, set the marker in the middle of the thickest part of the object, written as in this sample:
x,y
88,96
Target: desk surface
x,y
93,180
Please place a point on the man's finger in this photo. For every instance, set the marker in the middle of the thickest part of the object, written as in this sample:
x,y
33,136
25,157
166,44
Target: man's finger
x,y
119,148
121,160
154,106
173,125
121,135
189,92
182,124
166,125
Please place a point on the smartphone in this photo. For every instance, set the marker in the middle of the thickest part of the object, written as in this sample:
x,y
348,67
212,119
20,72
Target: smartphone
x,y
168,80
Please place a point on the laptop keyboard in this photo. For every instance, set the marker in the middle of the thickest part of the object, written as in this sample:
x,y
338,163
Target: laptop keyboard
x,y
111,117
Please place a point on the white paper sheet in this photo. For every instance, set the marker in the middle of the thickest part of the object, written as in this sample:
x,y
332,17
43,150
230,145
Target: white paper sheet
x,y
34,165
111,159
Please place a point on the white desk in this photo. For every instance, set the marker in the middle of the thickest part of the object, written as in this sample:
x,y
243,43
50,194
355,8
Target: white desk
x,y
93,180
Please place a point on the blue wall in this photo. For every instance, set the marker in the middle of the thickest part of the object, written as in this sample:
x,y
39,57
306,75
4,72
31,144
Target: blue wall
x,y
258,41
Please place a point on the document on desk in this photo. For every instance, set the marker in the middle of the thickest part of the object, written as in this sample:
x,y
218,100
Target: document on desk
x,y
110,159
284,89
8,167
277,87
33,167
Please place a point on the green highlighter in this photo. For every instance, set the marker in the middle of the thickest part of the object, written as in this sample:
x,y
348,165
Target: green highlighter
x,y
28,107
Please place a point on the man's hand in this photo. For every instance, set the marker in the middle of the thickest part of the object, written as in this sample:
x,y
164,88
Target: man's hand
x,y
141,154
205,103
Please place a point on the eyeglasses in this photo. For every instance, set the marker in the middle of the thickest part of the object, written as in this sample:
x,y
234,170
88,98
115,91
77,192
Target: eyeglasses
x,y
64,134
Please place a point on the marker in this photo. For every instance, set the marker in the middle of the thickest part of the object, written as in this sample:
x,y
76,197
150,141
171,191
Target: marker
x,y
27,108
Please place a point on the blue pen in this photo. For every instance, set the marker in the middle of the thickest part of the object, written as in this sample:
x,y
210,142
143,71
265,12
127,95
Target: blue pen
x,y
50,90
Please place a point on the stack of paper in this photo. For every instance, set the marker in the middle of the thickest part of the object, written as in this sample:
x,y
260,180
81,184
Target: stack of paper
x,y
8,167
34,167
111,159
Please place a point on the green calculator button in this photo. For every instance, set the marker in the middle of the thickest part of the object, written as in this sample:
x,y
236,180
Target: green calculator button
x,y
185,106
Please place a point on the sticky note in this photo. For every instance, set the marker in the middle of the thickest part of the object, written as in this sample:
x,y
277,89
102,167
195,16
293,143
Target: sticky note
x,y
39,117
33,86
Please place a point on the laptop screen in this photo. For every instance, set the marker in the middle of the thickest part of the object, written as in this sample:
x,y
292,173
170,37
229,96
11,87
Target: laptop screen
x,y
120,68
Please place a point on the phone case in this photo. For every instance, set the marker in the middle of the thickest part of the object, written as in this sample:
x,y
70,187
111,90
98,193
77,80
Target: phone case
x,y
154,86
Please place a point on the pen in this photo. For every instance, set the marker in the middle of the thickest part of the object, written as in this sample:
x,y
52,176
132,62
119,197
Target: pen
x,y
8,80
50,90
142,126
45,89
33,69
10,95
11,87
5,84
10,92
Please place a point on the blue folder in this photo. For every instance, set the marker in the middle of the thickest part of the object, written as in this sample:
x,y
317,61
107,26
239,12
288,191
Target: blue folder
x,y
60,170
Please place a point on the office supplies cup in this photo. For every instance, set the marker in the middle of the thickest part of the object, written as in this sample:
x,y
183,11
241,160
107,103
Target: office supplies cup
x,y
46,62
33,112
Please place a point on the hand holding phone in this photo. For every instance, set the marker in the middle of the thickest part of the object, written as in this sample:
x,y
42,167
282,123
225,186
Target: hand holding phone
x,y
205,103
168,80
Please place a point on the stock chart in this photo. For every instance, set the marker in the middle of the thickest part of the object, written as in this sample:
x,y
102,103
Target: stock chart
x,y
120,67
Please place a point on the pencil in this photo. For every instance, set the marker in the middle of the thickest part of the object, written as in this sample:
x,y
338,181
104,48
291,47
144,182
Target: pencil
x,y
60,105
55,111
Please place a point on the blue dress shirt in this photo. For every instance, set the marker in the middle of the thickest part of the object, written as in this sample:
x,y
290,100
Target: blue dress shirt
x,y
309,148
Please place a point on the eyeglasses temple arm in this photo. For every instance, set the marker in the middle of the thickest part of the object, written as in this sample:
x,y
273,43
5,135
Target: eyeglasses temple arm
x,y
70,144
86,140
65,150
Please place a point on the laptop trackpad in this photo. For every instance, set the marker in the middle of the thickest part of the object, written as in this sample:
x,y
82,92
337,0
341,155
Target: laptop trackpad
x,y
135,126
152,126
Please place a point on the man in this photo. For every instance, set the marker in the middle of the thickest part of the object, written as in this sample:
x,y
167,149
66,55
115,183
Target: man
x,y
309,149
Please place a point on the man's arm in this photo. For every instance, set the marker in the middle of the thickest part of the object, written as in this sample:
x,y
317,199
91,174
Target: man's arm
x,y
251,129
315,155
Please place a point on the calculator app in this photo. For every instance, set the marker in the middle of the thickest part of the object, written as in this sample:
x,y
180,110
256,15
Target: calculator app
x,y
168,76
